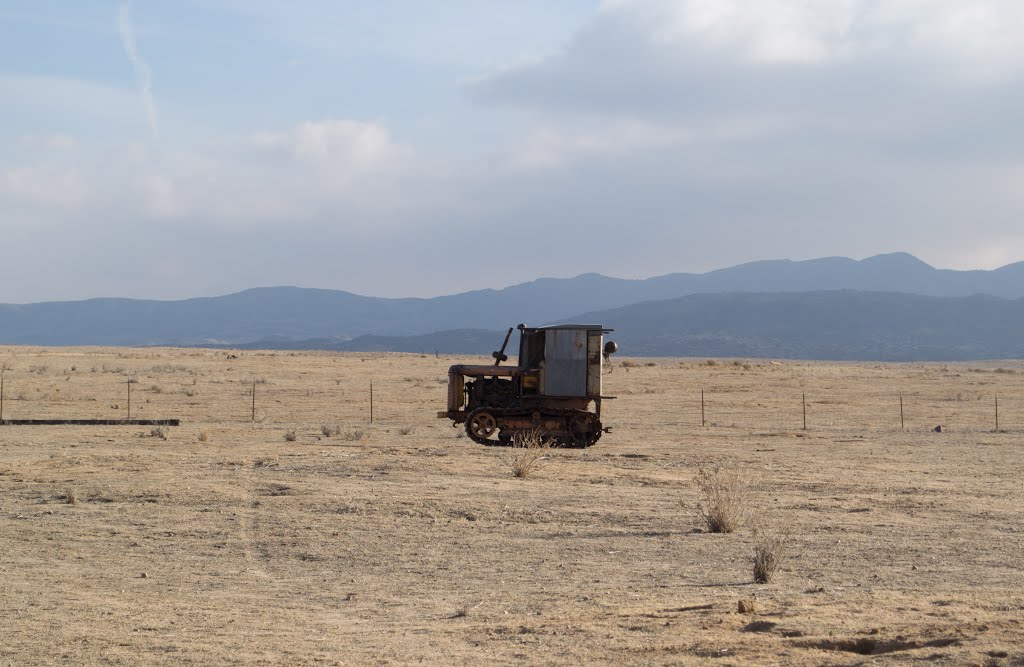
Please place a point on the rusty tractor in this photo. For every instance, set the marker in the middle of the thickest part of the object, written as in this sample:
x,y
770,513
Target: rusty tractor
x,y
550,392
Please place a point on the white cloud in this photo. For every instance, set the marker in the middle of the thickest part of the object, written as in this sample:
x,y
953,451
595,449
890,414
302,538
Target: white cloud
x,y
978,35
298,177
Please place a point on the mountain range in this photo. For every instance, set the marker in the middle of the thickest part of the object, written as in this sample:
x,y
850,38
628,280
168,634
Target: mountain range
x,y
890,306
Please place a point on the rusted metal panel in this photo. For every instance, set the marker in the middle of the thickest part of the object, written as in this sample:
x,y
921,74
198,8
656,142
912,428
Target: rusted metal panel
x,y
565,362
594,343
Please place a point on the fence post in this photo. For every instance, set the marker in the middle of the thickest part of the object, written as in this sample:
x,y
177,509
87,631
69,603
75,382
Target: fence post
x,y
702,406
2,372
371,401
254,399
997,412
129,397
902,425
803,403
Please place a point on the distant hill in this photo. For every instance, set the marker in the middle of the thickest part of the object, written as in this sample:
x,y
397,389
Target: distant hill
x,y
282,316
837,325
459,341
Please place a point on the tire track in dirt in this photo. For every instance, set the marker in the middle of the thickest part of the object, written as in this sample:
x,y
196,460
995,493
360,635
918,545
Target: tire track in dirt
x,y
250,525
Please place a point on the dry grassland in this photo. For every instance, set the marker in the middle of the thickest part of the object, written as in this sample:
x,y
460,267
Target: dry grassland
x,y
403,542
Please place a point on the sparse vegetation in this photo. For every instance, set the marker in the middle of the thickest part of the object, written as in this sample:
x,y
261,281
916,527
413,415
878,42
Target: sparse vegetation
x,y
406,430
329,431
711,362
724,504
291,435
582,524
769,553
528,452
158,432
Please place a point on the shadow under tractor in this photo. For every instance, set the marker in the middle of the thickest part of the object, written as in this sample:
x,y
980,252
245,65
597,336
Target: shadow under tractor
x,y
549,392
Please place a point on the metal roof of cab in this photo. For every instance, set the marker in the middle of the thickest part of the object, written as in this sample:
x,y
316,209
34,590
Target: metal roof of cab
x,y
572,326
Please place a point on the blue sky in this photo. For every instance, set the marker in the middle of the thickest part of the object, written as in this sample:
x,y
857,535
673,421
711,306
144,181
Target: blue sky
x,y
164,150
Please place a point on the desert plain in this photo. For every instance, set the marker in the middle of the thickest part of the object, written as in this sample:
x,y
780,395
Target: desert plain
x,y
300,533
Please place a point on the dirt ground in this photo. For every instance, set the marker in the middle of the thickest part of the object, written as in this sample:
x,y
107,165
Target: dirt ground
x,y
221,541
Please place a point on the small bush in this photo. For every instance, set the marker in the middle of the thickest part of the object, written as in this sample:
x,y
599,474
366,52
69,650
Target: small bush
x,y
354,436
769,552
529,450
724,503
711,362
70,497
189,391
651,364
626,363
407,430
204,436
290,436
158,432
329,430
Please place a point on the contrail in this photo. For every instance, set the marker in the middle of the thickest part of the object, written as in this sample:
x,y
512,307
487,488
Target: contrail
x,y
142,72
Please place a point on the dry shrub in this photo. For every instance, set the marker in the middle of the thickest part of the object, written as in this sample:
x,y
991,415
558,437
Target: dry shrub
x,y
724,503
626,363
204,436
529,450
711,362
158,432
769,552
354,436
290,436
329,430
70,497
406,430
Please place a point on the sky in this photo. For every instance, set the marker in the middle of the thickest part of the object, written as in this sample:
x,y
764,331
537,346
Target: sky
x,y
414,148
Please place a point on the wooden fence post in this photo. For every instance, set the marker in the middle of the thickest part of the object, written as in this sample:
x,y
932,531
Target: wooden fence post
x,y
803,402
371,401
902,424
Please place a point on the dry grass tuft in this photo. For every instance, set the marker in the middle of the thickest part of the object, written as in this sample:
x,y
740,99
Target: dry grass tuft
x,y
529,450
724,504
329,430
769,553
290,435
158,432
354,436
406,430
70,497
204,436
